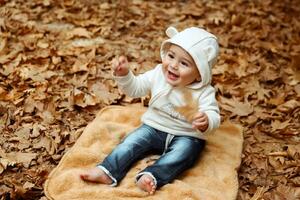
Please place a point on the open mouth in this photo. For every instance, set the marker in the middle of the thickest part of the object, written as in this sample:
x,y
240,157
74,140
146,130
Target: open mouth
x,y
172,76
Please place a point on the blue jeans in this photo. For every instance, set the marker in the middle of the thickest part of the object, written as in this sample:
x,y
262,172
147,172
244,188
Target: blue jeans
x,y
180,154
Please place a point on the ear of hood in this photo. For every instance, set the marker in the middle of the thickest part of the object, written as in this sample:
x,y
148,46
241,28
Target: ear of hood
x,y
200,44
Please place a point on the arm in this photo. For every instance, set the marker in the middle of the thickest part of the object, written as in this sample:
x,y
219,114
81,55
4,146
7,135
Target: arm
x,y
134,86
208,117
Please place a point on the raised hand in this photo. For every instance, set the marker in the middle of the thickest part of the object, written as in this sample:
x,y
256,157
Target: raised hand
x,y
120,66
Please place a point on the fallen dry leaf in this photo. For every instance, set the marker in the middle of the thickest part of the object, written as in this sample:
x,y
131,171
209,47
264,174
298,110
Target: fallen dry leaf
x,y
236,107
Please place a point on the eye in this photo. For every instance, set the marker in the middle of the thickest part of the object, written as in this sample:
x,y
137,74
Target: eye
x,y
184,63
170,55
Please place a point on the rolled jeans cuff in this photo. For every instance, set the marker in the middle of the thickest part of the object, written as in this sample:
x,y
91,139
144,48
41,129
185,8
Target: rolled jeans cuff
x,y
137,177
115,182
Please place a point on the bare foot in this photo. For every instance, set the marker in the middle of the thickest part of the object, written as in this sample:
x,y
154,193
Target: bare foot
x,y
146,183
96,175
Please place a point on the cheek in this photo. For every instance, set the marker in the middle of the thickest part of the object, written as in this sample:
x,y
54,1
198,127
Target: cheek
x,y
164,64
186,72
188,75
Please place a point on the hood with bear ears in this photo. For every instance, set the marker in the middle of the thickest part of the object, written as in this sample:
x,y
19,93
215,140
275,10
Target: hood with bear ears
x,y
200,44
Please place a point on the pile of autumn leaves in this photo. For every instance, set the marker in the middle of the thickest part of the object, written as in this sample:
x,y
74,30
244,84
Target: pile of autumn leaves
x,y
55,75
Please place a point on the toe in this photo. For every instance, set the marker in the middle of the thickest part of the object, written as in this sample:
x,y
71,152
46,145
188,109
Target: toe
x,y
147,180
151,192
83,176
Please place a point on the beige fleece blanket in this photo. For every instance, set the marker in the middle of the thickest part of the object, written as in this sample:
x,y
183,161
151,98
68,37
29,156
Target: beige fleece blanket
x,y
213,177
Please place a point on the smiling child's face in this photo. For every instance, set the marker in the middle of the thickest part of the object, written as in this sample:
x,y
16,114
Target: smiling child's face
x,y
179,67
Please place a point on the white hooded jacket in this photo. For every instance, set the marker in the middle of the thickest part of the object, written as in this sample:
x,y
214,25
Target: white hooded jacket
x,y
161,114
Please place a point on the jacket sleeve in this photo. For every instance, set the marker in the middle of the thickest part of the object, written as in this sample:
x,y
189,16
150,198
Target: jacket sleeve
x,y
208,104
136,86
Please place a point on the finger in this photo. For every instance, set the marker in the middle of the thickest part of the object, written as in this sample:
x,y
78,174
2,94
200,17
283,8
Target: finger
x,y
194,126
122,60
198,120
199,115
118,68
199,127
115,64
199,124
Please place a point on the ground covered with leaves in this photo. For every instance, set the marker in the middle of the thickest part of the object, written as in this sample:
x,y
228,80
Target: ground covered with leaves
x,y
55,75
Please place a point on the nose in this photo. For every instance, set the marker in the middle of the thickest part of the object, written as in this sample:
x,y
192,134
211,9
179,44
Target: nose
x,y
174,65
